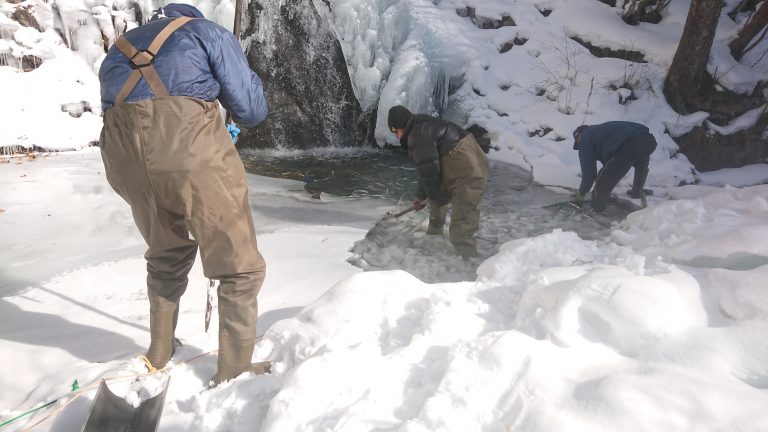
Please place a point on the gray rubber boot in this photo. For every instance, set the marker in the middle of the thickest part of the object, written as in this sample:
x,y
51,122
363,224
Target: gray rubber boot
x,y
435,229
235,358
466,250
437,215
163,315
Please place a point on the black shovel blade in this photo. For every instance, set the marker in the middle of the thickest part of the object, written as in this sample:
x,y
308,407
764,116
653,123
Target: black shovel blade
x,y
111,413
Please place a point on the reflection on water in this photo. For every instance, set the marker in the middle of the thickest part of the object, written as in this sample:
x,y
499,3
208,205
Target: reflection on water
x,y
349,172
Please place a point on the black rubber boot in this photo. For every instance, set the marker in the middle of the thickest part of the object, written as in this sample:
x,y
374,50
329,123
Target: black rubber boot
x,y
641,174
235,358
163,315
597,203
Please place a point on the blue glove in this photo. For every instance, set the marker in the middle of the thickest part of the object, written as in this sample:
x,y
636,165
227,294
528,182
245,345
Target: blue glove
x,y
233,130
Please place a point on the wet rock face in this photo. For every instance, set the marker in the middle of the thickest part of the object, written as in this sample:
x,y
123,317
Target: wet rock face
x,y
306,81
23,15
30,63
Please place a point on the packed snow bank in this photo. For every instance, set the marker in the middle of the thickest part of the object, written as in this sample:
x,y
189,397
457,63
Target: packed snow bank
x,y
55,106
557,333
749,175
718,228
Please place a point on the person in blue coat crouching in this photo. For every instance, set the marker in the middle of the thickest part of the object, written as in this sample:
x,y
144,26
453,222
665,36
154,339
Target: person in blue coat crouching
x,y
618,145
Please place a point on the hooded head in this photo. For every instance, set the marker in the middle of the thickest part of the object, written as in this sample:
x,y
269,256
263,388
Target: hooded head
x,y
576,133
398,117
175,10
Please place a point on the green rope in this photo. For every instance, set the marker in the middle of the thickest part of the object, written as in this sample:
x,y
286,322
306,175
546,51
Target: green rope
x,y
27,413
75,387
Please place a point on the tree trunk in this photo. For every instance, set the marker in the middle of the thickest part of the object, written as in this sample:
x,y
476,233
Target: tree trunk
x,y
687,75
744,5
689,88
756,23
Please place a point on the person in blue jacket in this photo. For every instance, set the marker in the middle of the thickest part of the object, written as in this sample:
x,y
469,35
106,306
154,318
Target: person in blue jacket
x,y
168,153
618,145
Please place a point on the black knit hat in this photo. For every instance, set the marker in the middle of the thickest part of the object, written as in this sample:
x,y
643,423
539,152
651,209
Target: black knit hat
x,y
576,133
398,117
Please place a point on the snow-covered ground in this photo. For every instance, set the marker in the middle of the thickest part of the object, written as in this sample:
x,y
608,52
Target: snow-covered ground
x,y
660,326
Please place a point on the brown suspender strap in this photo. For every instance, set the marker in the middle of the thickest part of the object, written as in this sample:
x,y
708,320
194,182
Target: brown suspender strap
x,y
130,83
142,60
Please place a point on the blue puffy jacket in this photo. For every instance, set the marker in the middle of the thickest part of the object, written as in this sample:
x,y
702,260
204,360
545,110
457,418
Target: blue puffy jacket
x,y
201,59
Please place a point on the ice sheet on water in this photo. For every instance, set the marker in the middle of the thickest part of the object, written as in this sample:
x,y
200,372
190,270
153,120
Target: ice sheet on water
x,y
513,207
404,244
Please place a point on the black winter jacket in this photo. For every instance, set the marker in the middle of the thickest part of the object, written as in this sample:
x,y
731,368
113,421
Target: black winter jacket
x,y
427,139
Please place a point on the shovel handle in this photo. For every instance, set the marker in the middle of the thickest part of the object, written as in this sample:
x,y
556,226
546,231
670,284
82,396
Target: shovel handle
x,y
408,210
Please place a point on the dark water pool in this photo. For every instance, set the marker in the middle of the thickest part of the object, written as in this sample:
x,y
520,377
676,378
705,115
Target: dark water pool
x,y
342,172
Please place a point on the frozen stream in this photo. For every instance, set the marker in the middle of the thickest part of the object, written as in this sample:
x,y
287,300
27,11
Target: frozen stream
x,y
513,207
45,239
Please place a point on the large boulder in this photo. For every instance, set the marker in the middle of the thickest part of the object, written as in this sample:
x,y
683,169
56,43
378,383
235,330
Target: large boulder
x,y
306,80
